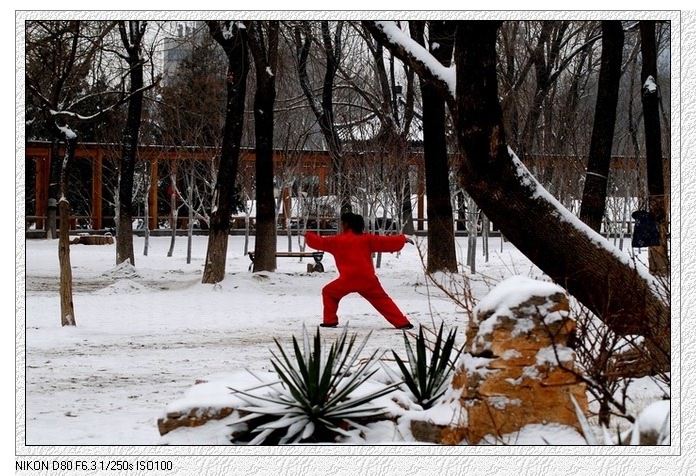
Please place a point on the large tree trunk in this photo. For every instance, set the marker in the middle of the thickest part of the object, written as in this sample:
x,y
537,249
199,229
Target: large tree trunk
x,y
234,44
67,309
129,146
264,100
594,196
597,274
659,255
442,255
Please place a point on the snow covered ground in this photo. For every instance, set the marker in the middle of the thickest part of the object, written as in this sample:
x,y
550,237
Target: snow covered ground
x,y
146,334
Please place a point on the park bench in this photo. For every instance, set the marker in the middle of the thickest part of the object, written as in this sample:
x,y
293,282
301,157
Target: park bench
x,y
317,255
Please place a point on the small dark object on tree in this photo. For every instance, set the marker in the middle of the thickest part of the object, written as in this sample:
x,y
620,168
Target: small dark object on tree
x,y
645,232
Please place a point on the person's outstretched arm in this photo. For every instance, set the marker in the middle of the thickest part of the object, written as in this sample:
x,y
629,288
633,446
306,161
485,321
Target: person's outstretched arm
x,y
387,243
321,243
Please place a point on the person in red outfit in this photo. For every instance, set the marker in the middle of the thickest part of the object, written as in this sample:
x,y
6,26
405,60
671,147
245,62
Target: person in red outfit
x,y
352,250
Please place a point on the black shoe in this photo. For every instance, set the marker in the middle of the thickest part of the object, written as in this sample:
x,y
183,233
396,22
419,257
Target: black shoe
x,y
406,326
328,325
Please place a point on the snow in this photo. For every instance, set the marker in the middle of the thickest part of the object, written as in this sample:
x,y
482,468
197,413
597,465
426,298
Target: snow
x,y
539,191
650,86
553,356
67,132
151,339
654,415
513,292
398,36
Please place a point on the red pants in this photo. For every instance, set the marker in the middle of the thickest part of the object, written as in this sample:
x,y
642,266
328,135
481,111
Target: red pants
x,y
370,289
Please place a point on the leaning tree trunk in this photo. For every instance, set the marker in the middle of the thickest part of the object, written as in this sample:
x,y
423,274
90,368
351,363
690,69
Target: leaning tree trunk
x,y
658,255
442,254
129,146
558,243
234,44
594,195
67,309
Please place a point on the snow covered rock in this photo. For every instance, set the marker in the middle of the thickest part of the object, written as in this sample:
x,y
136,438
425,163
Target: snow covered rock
x,y
191,418
652,427
206,401
514,369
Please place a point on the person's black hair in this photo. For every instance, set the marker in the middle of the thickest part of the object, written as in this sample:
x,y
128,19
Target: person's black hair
x,y
355,223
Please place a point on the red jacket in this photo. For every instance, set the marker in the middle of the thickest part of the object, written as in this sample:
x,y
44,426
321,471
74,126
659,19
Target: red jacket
x,y
353,253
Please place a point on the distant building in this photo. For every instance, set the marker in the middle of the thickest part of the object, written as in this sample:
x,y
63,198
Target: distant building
x,y
177,45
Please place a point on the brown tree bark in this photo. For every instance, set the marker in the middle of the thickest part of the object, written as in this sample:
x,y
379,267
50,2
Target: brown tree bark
x,y
594,196
658,255
233,42
265,54
442,255
67,309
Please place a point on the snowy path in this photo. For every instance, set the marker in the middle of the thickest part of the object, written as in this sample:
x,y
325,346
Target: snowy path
x,y
144,335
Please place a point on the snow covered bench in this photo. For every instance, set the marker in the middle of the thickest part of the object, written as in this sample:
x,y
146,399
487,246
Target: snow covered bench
x,y
317,255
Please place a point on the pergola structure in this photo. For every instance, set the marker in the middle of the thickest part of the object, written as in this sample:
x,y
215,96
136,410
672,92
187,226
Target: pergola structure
x,y
317,163
302,162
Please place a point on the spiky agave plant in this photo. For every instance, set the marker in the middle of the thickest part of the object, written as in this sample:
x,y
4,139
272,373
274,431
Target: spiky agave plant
x,y
314,399
428,371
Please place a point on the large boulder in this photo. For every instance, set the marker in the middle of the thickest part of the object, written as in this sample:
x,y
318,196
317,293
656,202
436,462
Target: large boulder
x,y
518,367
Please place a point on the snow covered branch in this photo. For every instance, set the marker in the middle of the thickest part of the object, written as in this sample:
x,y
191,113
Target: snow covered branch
x,y
415,56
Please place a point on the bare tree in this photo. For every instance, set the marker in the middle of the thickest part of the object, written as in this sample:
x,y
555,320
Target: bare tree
x,y
442,255
594,195
68,49
659,255
67,309
550,58
262,37
324,110
228,34
59,57
132,34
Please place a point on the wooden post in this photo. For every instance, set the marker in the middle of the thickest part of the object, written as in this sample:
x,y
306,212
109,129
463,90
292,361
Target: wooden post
x,y
322,180
287,206
421,195
97,173
153,195
42,178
